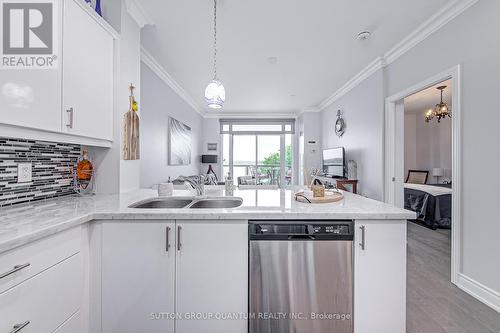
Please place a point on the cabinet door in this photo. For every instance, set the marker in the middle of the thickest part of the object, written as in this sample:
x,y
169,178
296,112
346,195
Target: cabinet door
x,y
72,325
32,97
380,277
87,75
137,277
212,274
45,301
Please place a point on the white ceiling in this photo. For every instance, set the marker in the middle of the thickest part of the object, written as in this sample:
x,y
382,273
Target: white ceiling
x,y
426,99
314,42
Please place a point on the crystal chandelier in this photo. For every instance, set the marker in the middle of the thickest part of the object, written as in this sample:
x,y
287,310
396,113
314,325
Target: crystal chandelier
x,y
215,94
440,111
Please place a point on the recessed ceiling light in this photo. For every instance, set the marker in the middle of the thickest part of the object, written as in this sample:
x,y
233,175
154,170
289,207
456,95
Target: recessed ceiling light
x,y
363,35
272,60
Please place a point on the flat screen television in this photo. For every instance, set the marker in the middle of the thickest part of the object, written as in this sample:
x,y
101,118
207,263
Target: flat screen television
x,y
334,162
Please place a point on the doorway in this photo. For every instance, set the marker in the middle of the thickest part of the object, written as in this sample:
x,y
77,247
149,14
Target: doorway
x,y
395,176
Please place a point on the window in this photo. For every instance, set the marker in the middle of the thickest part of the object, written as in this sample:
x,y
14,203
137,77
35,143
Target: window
x,y
258,152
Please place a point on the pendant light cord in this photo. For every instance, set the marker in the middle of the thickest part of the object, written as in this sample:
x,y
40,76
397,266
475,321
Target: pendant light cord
x,y
215,39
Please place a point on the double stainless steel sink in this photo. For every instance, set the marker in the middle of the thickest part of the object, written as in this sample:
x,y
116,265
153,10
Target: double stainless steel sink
x,y
188,202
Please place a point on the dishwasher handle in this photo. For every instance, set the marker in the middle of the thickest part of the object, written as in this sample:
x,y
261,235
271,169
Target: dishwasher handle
x,y
303,237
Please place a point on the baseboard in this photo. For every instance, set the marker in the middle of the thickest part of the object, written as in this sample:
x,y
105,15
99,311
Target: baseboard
x,y
479,291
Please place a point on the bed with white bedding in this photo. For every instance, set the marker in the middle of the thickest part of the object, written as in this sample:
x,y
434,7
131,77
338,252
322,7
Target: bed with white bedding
x,y
432,203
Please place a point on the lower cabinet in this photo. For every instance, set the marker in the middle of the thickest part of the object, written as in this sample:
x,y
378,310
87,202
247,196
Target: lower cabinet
x,y
42,285
380,276
45,301
211,277
138,272
72,325
173,277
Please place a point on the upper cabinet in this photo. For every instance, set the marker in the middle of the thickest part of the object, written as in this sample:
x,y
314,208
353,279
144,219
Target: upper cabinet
x,y
69,102
87,75
30,96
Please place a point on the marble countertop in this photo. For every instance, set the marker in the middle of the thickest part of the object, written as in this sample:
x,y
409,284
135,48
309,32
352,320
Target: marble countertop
x,y
25,223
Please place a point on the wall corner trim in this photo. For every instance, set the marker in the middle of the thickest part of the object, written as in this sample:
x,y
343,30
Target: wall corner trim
x,y
307,110
158,69
365,73
447,13
479,291
431,25
137,12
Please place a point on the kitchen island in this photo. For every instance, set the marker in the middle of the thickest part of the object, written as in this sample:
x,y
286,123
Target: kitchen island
x,y
141,269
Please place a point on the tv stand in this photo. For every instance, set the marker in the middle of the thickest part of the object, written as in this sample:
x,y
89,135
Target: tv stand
x,y
341,183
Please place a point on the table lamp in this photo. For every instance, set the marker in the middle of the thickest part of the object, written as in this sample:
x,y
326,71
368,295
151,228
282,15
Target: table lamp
x,y
210,159
438,172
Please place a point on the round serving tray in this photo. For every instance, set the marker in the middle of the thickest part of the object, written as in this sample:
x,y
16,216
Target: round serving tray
x,y
328,198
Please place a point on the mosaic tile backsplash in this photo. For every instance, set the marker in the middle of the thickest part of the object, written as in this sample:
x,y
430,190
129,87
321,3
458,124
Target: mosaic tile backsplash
x,y
51,169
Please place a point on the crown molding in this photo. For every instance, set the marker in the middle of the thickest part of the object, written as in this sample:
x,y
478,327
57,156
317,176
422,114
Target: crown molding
x,y
353,82
307,110
158,69
249,114
137,12
431,25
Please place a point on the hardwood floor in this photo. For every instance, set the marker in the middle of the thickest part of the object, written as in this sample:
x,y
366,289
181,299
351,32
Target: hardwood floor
x,y
434,304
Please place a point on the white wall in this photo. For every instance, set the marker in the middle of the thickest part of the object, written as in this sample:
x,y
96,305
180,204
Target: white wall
x,y
309,124
113,174
410,146
159,102
130,62
467,42
363,109
427,145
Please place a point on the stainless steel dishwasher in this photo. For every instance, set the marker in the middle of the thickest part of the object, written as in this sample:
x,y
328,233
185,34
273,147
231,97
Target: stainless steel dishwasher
x,y
300,276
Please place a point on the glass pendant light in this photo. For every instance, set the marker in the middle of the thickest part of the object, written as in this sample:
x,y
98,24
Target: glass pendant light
x,y
215,94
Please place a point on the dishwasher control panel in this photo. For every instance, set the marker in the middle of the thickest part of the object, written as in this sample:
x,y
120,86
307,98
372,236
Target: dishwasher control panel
x,y
337,229
301,230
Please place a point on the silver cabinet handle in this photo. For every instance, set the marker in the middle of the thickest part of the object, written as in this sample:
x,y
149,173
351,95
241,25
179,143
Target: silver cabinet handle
x,y
16,268
167,233
363,235
70,115
18,327
179,244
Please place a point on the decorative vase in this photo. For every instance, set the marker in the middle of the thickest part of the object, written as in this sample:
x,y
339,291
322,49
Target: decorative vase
x,y
352,170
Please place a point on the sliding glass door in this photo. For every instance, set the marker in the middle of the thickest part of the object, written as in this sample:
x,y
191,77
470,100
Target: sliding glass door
x,y
258,153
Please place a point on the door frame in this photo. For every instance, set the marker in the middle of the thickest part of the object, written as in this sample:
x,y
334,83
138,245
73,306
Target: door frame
x,y
390,158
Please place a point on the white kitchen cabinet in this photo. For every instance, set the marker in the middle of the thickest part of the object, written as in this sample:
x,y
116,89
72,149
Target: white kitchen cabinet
x,y
138,274
144,285
72,325
32,97
380,276
212,275
45,301
72,102
29,260
87,75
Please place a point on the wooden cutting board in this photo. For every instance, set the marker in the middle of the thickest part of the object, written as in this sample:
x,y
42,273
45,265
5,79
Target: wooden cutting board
x,y
328,198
